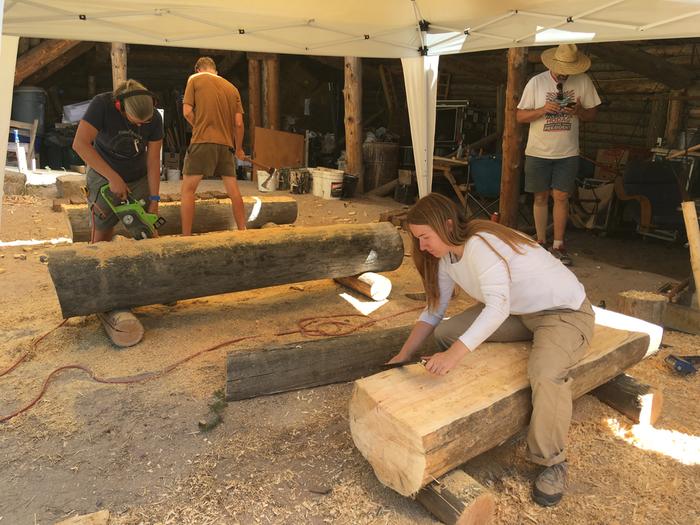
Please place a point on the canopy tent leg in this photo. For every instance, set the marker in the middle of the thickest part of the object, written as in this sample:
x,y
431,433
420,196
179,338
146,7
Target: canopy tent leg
x,y
420,76
8,61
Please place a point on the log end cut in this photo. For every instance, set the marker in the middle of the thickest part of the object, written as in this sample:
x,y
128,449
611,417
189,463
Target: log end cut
x,y
400,466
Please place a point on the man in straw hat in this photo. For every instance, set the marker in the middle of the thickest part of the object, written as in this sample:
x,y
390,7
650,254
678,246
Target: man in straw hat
x,y
553,103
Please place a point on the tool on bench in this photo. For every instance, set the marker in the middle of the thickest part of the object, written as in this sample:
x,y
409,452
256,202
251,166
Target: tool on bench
x,y
419,361
684,364
139,223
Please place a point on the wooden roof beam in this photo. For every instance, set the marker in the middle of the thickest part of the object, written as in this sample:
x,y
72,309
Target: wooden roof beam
x,y
40,56
637,61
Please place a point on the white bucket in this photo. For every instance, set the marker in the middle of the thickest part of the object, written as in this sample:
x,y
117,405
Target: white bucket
x,y
332,187
173,175
327,183
266,182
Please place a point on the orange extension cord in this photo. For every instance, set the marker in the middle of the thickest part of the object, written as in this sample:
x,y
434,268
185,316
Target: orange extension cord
x,y
309,327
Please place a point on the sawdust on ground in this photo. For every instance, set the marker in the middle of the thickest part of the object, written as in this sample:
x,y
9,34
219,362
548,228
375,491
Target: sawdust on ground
x,y
137,451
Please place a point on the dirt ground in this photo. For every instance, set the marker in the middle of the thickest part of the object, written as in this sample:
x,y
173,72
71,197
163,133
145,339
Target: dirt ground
x,y
137,451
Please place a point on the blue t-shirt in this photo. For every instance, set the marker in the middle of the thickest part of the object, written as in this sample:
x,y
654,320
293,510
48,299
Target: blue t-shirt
x,y
119,142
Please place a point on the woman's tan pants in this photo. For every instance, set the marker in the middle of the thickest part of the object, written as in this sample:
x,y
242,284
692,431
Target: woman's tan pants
x,y
560,339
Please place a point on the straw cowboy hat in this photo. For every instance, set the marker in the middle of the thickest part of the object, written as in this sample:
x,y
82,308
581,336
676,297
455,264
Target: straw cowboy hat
x,y
565,60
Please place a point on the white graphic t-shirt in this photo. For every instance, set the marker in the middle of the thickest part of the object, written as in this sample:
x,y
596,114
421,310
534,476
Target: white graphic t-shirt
x,y
555,135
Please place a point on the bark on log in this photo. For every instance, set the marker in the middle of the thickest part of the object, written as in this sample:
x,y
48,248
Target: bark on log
x,y
376,287
458,499
512,138
352,95
640,402
210,215
413,427
40,56
692,230
259,371
105,276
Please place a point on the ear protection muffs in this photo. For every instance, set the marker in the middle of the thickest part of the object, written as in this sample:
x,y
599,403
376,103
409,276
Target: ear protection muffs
x,y
119,99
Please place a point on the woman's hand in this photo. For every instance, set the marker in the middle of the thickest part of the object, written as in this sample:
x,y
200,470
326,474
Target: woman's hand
x,y
442,362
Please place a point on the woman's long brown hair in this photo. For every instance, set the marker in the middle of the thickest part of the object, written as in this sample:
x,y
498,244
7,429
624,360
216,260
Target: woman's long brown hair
x,y
435,210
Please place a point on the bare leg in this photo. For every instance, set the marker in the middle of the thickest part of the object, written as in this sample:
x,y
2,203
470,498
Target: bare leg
x,y
187,193
102,235
540,213
231,185
560,213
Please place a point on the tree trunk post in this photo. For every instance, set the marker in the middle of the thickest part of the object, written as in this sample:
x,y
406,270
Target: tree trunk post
x,y
352,94
512,138
118,55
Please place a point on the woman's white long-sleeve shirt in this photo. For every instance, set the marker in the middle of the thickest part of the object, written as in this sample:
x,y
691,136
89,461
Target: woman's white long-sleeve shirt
x,y
536,282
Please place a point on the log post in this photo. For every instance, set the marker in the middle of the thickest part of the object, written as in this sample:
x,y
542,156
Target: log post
x,y
693,232
675,117
254,107
118,55
272,91
352,94
92,278
640,402
500,113
512,138
657,121
458,499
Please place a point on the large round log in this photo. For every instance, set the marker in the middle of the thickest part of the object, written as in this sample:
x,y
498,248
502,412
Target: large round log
x,y
648,306
91,278
413,426
210,215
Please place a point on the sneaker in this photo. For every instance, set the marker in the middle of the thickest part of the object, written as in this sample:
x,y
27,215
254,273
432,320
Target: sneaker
x,y
561,254
550,484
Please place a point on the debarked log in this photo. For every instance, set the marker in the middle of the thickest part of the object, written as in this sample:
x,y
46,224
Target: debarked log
x,y
413,426
92,278
211,215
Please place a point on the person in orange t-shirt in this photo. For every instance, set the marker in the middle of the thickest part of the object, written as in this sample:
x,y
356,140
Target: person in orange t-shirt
x,y
212,105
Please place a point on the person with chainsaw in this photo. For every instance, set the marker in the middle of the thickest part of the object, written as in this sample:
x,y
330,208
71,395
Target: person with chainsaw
x,y
553,103
523,293
120,138
212,105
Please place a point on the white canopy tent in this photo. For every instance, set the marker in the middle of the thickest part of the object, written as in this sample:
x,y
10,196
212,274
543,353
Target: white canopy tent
x,y
417,31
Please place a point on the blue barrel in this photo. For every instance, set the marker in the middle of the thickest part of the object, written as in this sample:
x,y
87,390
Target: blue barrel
x,y
28,104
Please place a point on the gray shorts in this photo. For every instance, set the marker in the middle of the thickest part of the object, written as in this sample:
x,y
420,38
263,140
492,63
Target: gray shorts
x,y
99,211
550,174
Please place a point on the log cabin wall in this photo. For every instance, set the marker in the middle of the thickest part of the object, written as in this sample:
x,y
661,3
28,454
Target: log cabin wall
x,y
634,110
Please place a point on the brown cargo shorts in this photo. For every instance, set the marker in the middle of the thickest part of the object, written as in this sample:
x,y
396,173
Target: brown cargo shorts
x,y
209,160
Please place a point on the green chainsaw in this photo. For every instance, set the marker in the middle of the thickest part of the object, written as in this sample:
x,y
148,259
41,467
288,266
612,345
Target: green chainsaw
x,y
139,223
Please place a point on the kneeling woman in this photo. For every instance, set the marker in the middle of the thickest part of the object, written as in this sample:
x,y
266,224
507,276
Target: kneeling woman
x,y
524,293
